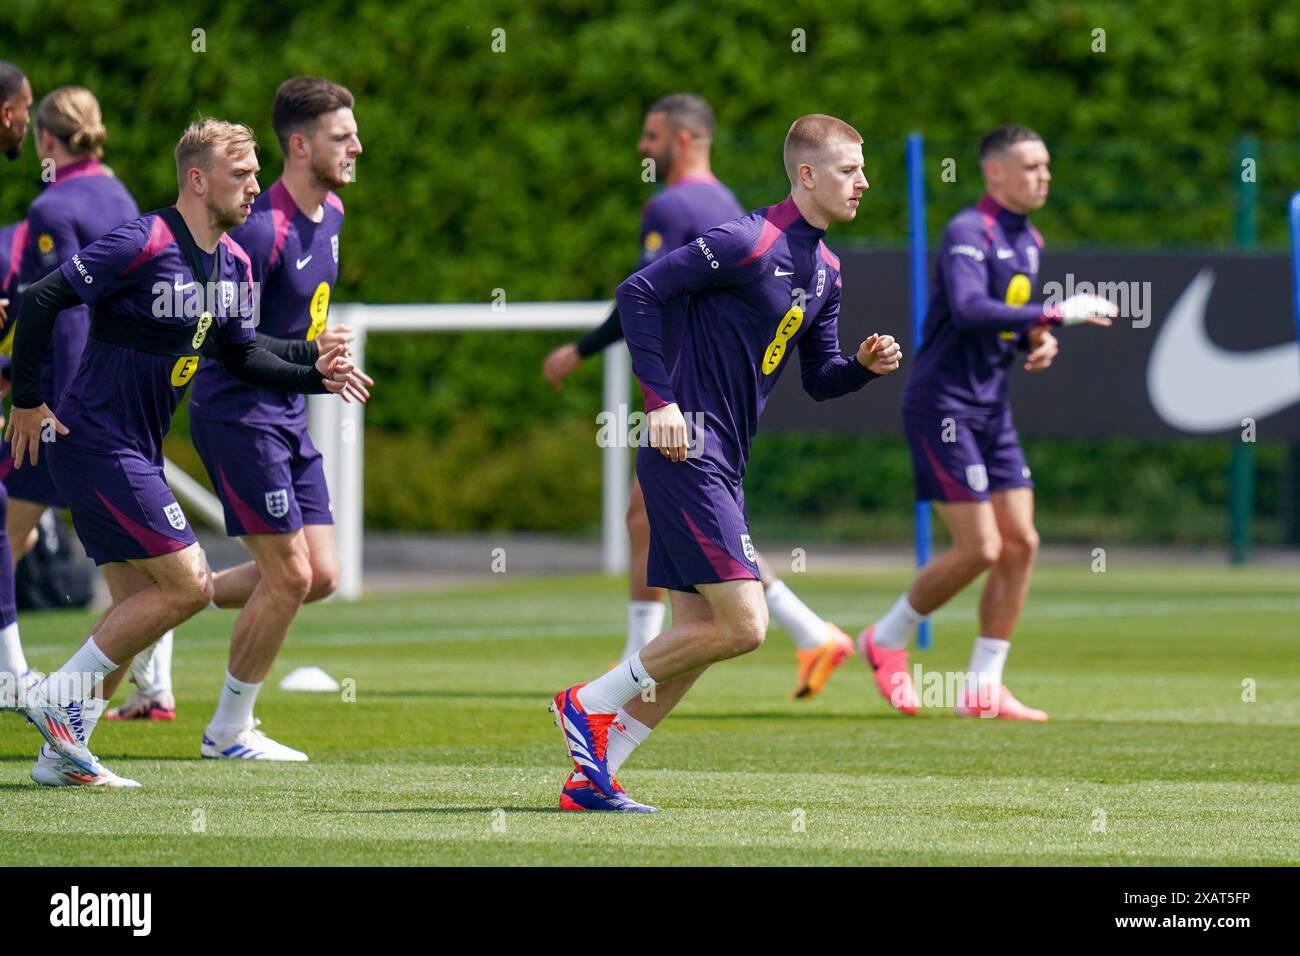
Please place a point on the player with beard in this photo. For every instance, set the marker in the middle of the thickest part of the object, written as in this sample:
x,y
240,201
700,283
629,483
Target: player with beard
x,y
163,288
254,442
677,137
81,202
15,104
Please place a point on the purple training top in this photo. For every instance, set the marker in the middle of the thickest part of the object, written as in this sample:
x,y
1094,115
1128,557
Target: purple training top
x,y
122,397
296,263
979,314
84,202
749,291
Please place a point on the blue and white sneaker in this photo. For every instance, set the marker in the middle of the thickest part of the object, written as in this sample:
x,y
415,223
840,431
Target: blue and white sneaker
x,y
63,728
586,736
248,744
52,770
578,794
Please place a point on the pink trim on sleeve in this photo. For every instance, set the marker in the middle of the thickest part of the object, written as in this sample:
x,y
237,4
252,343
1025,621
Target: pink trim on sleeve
x,y
283,209
652,399
333,199
238,252
15,254
160,237
830,258
776,219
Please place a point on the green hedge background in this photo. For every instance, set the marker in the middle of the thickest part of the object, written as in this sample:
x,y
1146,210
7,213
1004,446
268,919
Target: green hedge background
x,y
517,170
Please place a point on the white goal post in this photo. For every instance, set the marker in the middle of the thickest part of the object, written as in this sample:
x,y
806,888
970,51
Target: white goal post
x,y
337,427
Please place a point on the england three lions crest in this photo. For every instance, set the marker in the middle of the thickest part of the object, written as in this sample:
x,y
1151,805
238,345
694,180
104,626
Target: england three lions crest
x,y
175,517
821,282
277,502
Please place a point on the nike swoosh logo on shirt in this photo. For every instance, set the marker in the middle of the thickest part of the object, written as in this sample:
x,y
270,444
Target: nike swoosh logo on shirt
x,y
182,288
1006,253
23,287
780,273
303,262
1196,386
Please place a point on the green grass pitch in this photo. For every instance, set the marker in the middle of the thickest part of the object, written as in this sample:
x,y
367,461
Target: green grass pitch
x,y
448,756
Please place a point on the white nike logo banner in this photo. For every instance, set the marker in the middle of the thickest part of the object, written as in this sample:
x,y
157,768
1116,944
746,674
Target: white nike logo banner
x,y
1199,387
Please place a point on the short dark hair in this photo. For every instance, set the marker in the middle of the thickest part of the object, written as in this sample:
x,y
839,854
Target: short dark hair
x,y
11,80
686,111
1001,138
299,102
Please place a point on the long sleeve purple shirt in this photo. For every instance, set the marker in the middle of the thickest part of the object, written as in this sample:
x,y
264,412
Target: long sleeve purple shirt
x,y
979,312
743,296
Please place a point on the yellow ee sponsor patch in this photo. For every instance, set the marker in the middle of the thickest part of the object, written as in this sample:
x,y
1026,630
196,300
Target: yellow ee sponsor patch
x,y
653,241
785,331
1018,289
201,333
45,244
319,310
184,369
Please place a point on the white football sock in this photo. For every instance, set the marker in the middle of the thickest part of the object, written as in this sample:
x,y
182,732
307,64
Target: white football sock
x,y
162,663
798,619
142,667
81,677
611,690
623,742
91,711
12,660
235,705
645,619
895,628
986,661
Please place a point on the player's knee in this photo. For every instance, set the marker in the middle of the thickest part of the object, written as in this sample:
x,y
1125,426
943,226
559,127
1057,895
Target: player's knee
x,y
324,581
748,632
292,577
192,594
1020,547
983,552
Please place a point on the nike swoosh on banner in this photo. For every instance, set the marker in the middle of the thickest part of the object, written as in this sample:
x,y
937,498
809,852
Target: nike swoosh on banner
x,y
1196,386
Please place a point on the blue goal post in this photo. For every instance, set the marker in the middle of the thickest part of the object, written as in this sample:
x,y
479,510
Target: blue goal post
x,y
1293,218
919,299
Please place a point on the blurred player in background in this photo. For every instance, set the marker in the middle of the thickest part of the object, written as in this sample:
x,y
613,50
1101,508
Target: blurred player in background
x,y
743,296
254,441
966,454
15,105
81,201
676,138
15,102
15,675
163,287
